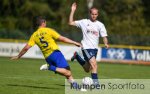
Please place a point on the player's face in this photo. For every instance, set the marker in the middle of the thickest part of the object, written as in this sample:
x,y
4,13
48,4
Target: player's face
x,y
44,23
94,14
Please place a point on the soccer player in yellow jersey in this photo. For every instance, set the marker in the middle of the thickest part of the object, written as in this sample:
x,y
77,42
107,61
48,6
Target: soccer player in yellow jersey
x,y
45,39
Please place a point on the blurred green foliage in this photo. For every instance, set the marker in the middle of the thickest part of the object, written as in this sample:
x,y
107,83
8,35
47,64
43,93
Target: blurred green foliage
x,y
127,21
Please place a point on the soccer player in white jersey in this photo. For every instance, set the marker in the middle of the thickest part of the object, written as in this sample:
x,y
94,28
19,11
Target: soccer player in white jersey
x,y
91,29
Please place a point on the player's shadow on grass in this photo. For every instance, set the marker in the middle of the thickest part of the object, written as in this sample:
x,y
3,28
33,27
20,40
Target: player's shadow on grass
x,y
29,86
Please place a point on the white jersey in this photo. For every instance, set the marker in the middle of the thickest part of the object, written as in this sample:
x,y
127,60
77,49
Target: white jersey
x,y
91,32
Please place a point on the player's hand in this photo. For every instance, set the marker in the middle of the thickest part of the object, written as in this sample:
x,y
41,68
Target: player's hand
x,y
78,44
14,57
106,46
74,6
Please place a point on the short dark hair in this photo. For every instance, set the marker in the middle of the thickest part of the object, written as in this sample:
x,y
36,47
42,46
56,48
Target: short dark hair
x,y
39,20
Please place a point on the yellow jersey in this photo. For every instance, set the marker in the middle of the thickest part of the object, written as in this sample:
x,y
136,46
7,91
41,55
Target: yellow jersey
x,y
45,39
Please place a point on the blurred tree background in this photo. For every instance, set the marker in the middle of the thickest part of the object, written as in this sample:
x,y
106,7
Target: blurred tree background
x,y
127,21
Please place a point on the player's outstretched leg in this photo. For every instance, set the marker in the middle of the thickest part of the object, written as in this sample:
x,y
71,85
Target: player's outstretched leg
x,y
61,71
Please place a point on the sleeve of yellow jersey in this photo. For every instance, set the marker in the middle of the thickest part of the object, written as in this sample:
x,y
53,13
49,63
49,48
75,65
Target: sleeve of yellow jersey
x,y
55,35
31,41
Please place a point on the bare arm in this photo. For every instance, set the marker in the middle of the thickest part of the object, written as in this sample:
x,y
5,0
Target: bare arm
x,y
105,40
67,40
73,9
23,51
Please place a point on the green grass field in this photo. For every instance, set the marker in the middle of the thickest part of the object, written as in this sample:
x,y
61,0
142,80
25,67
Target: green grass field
x,y
24,77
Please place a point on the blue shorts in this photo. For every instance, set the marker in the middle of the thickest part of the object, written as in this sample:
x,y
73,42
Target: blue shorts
x,y
57,59
89,53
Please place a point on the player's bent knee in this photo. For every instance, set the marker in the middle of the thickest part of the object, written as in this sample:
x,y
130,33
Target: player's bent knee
x,y
87,70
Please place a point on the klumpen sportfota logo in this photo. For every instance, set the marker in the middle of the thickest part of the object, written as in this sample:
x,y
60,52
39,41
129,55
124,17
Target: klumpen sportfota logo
x,y
110,86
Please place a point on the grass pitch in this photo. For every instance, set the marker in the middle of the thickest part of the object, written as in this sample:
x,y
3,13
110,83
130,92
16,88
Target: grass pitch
x,y
24,77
